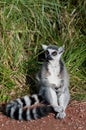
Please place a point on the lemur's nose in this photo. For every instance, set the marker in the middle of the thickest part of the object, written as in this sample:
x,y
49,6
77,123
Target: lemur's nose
x,y
56,88
49,57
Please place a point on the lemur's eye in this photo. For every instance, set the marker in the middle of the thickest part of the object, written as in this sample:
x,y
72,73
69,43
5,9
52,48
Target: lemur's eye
x,y
46,52
54,53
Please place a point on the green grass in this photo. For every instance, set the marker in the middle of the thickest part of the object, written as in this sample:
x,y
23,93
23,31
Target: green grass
x,y
24,26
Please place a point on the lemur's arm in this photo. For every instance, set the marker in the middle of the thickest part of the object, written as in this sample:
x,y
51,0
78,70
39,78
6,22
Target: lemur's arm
x,y
50,96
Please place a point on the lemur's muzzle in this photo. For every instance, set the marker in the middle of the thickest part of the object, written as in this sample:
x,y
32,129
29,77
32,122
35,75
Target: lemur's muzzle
x,y
49,57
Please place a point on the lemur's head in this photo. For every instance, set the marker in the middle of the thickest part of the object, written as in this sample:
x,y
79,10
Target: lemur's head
x,y
52,52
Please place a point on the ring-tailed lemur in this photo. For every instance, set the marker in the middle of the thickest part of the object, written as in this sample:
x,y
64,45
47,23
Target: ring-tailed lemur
x,y
54,81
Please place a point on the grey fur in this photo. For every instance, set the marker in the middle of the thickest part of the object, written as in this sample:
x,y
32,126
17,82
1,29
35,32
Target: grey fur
x,y
53,80
52,47
57,96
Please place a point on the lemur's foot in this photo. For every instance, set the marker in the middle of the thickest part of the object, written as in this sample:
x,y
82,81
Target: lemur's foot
x,y
58,109
61,115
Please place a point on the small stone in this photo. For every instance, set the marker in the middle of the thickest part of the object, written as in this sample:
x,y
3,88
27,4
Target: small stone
x,y
80,128
2,125
81,116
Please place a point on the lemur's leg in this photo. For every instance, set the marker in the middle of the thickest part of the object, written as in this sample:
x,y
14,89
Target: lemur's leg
x,y
63,102
50,96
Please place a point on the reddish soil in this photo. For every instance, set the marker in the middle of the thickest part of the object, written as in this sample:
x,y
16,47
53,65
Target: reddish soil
x,y
75,120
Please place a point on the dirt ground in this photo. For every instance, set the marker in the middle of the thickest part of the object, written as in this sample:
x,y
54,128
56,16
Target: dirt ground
x,y
75,120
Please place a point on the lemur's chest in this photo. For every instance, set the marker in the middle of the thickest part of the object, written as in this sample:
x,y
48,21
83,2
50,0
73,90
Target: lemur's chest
x,y
54,77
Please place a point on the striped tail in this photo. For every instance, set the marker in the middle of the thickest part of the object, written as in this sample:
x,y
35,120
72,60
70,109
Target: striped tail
x,y
18,108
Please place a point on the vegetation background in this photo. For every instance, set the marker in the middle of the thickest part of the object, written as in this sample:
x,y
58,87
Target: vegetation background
x,y
24,26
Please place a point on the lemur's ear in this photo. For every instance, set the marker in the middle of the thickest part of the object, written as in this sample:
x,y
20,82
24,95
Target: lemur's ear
x,y
61,49
44,47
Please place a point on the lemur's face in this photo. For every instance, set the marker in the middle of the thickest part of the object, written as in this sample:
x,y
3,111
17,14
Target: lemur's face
x,y
50,54
53,52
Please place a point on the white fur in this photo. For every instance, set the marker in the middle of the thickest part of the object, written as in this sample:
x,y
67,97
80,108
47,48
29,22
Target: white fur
x,y
20,114
34,112
12,112
36,98
27,100
54,70
19,101
44,47
28,114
